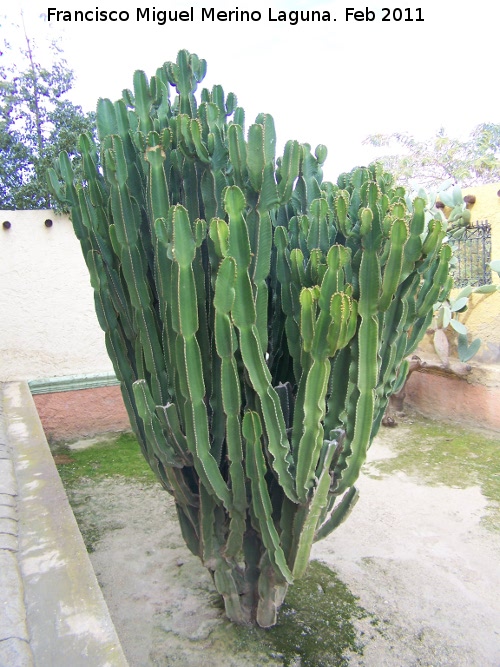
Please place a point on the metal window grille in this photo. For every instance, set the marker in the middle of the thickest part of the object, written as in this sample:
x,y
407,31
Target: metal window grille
x,y
473,253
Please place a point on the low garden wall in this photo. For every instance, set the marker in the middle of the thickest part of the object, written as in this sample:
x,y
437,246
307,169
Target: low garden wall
x,y
473,400
70,412
80,407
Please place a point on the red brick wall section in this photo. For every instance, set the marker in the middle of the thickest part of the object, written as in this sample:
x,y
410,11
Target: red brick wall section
x,y
68,415
454,399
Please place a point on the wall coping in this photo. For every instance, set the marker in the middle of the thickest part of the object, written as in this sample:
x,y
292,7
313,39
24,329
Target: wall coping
x,y
72,383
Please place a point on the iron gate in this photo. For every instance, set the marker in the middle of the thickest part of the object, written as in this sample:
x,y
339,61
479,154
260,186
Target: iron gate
x,y
473,254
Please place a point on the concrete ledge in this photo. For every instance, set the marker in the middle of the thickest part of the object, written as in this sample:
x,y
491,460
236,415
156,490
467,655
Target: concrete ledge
x,y
14,636
68,622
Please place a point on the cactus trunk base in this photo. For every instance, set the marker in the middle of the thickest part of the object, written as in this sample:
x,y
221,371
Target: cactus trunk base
x,y
255,592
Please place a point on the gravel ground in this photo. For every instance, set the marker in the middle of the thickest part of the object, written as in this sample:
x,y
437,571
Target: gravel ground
x,y
418,557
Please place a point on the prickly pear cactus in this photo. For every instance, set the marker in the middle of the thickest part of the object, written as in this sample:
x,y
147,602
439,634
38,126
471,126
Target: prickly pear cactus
x,y
258,318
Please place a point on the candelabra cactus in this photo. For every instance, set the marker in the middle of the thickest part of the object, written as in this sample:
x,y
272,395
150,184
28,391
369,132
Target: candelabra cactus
x,y
257,318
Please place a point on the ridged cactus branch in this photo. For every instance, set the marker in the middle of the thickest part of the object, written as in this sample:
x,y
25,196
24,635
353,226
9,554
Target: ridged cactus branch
x,y
257,317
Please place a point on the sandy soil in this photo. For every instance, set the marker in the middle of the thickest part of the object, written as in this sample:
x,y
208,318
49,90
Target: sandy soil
x,y
418,557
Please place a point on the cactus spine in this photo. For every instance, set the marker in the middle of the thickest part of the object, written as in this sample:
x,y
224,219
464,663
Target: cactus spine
x,y
257,318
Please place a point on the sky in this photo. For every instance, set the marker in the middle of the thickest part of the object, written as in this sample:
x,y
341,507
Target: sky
x,y
332,82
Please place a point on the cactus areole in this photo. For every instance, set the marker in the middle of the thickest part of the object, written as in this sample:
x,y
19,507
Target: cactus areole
x,y
258,318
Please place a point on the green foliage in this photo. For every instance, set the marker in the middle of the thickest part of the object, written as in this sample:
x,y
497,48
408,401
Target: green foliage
x,y
257,318
36,123
447,316
432,161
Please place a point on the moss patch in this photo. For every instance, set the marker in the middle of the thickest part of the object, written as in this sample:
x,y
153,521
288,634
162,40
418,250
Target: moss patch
x,y
118,456
440,453
316,624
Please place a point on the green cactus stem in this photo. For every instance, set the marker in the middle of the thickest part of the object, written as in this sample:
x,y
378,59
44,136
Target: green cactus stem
x,y
258,317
